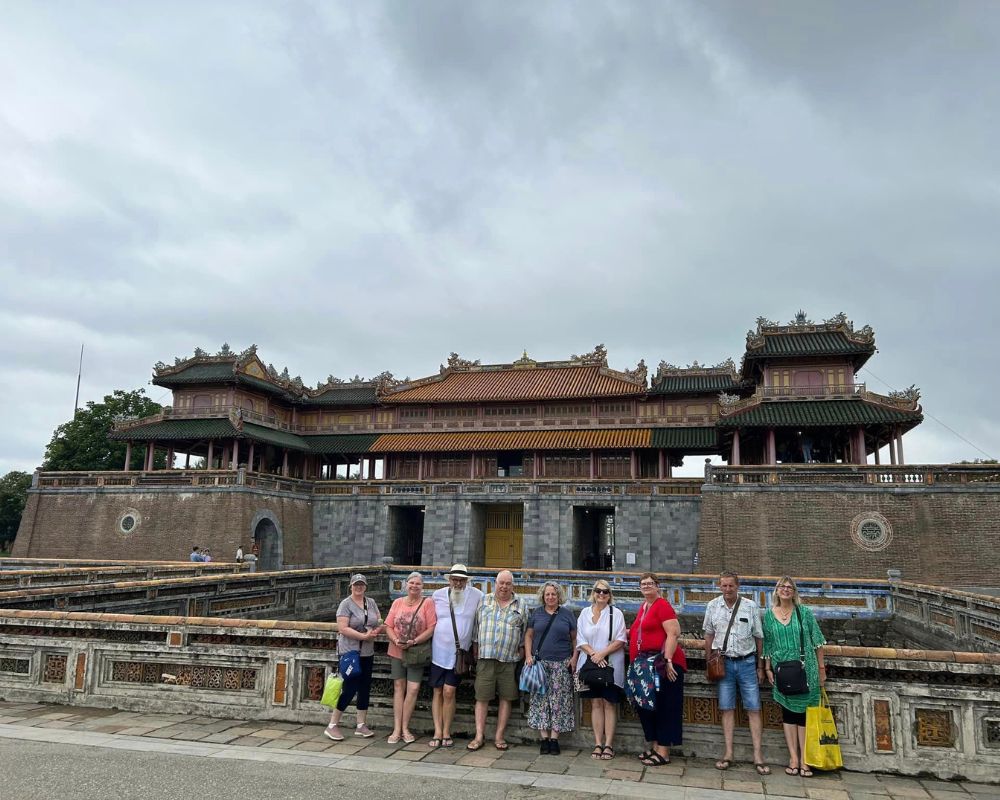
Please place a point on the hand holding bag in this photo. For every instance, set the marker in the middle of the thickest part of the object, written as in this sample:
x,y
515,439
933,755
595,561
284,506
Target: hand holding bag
x,y
416,655
790,676
533,674
822,741
596,677
715,666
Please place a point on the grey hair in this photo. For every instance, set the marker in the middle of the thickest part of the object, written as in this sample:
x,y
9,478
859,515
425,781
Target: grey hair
x,y
414,574
560,591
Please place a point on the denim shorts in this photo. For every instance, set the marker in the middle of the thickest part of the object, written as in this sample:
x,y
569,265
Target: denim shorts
x,y
740,672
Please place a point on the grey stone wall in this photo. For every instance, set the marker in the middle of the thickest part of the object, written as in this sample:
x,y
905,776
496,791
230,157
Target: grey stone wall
x,y
661,532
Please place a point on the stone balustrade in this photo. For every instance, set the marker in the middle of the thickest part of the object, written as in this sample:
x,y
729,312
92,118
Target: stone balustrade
x,y
20,575
964,620
903,711
938,475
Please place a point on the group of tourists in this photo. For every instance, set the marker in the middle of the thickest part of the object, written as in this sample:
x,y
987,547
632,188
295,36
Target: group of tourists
x,y
569,654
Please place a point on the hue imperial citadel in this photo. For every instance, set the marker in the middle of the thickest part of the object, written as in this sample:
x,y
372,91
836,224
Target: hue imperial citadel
x,y
538,464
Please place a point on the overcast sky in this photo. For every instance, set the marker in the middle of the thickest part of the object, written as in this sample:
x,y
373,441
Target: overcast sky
x,y
368,186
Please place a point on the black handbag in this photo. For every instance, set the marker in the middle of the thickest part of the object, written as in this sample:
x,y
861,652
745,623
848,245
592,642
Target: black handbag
x,y
790,676
599,677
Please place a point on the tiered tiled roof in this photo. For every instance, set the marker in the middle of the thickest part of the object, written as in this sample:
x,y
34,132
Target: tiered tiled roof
x,y
803,338
178,429
696,379
818,413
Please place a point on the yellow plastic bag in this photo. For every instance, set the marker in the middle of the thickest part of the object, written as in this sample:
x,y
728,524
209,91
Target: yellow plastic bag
x,y
331,692
822,741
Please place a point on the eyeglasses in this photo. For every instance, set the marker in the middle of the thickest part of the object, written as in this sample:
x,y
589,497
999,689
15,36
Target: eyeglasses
x,y
602,591
786,586
646,585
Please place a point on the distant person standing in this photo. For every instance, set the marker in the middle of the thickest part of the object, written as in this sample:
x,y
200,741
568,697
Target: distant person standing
x,y
239,554
206,555
196,554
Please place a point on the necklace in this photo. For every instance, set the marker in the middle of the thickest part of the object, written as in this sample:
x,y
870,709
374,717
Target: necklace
x,y
782,615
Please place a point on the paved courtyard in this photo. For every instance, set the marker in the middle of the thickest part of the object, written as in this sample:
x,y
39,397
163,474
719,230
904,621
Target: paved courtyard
x,y
573,773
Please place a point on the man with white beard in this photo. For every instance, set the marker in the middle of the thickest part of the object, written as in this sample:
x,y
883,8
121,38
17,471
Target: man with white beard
x,y
456,606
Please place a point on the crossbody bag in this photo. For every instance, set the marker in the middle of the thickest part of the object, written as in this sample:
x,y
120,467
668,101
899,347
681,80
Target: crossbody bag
x,y
715,666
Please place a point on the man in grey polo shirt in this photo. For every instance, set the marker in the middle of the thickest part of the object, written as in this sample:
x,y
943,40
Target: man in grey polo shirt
x,y
744,663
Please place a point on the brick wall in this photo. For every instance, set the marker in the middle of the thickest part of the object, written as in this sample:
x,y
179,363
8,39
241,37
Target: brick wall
x,y
85,524
946,536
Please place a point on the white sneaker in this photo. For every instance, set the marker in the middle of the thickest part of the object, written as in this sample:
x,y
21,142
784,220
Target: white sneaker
x,y
363,730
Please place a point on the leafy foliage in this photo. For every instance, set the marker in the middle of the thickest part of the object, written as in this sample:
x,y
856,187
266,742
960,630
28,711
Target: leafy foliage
x,y
13,494
83,443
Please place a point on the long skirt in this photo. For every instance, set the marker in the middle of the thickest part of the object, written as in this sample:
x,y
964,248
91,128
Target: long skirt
x,y
556,709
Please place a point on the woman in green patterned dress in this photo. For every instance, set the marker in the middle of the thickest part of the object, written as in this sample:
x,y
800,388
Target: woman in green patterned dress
x,y
782,623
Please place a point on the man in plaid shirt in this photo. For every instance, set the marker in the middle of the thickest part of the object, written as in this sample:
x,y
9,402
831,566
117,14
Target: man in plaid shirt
x,y
499,638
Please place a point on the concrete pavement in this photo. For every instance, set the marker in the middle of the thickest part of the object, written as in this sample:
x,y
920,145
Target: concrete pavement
x,y
51,751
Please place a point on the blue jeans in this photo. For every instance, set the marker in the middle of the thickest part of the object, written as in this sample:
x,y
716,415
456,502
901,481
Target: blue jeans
x,y
742,673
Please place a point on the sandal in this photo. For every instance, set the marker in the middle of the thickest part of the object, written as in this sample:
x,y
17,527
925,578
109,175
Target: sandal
x,y
394,739
433,744
762,769
723,763
655,760
598,752
645,754
447,741
501,745
805,772
608,754
409,738
475,744
791,770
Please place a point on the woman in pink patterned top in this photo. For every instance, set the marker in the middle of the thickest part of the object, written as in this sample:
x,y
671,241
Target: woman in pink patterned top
x,y
410,622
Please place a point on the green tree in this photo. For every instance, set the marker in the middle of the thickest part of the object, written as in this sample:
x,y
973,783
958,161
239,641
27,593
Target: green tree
x,y
13,494
83,443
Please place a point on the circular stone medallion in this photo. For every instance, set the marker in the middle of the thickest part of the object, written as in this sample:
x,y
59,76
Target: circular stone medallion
x,y
871,531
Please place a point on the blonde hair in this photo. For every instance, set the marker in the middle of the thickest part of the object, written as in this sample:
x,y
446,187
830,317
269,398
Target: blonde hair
x,y
600,583
560,592
776,600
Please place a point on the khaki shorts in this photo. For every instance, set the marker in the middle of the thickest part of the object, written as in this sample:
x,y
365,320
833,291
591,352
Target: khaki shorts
x,y
398,671
495,679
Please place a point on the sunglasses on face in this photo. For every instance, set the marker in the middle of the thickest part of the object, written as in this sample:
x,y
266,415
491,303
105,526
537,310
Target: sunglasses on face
x,y
602,591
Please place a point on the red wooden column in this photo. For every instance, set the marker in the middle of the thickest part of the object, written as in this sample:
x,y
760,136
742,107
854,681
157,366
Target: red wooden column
x,y
170,457
210,460
892,448
420,466
734,458
661,466
128,456
284,463
236,453
670,466
772,452
877,445
861,457
899,446
633,471
593,465
250,459
150,452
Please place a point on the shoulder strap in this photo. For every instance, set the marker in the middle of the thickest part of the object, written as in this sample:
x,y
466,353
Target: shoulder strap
x,y
611,620
454,625
802,637
729,627
537,647
413,619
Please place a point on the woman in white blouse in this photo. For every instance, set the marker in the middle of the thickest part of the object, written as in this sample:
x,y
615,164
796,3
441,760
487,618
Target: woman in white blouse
x,y
601,639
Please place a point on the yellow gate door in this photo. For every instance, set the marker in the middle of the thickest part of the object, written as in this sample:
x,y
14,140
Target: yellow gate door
x,y
504,536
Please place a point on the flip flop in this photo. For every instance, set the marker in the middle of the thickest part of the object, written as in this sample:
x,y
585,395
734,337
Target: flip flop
x,y
434,743
475,744
723,763
805,772
645,754
655,760
762,769
501,745
393,740
409,738
791,770
447,742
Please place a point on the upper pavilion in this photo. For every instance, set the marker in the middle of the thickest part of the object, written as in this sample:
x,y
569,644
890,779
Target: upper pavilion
x,y
794,399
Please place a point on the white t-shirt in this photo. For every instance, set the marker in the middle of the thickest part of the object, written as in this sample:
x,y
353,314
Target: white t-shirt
x,y
597,637
443,641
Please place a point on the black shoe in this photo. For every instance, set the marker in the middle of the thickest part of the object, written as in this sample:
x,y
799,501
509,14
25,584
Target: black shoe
x,y
543,747
554,747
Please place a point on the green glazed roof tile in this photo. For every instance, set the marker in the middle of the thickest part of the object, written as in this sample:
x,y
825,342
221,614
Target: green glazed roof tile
x,y
349,443
694,384
179,429
345,396
271,436
808,344
198,373
818,412
679,438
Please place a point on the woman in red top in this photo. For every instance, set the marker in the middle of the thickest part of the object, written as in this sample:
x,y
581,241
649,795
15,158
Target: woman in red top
x,y
656,630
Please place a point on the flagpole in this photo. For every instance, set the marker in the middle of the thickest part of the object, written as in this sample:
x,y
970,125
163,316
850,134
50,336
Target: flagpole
x,y
79,374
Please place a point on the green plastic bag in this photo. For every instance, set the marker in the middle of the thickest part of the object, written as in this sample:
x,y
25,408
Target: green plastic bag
x,y
332,690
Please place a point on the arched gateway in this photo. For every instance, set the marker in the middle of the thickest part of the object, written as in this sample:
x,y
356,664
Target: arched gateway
x,y
267,541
